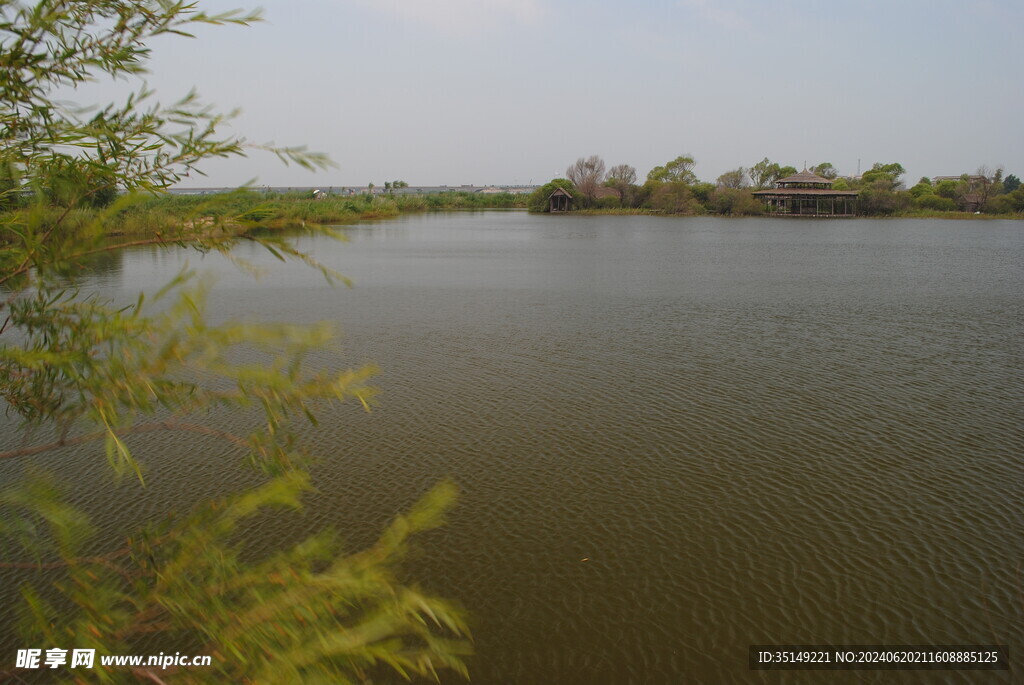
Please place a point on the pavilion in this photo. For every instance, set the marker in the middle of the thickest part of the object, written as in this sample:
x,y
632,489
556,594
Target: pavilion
x,y
807,194
560,201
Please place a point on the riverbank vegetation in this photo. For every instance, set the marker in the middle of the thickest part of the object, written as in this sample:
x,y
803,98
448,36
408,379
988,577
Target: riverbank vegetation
x,y
168,213
674,188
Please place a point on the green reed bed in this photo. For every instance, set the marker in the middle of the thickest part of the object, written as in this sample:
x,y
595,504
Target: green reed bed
x,y
174,214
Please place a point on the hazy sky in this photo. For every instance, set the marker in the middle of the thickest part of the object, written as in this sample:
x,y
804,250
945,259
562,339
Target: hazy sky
x,y
513,91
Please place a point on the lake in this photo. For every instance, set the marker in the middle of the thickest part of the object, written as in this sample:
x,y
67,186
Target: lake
x,y
674,438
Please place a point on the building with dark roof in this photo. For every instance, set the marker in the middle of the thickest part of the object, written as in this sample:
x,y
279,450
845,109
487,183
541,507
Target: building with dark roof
x,y
560,200
807,194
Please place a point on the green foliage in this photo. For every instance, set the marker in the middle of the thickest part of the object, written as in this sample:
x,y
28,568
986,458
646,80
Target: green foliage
x,y
946,189
674,198
737,178
890,174
81,372
702,192
538,200
1011,183
461,200
825,170
307,613
1000,204
679,170
735,202
765,173
622,177
922,188
1017,199
934,202
879,199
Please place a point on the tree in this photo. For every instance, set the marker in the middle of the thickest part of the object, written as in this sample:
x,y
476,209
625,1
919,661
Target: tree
x,y
702,192
765,173
736,179
622,177
679,170
891,174
734,201
93,374
988,183
923,187
587,175
880,198
825,170
946,189
1011,183
673,197
622,174
786,171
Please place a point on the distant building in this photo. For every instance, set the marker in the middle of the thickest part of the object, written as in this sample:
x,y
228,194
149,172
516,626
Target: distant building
x,y
807,194
972,198
970,178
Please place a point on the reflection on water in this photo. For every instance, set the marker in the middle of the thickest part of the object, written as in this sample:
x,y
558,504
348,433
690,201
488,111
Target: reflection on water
x,y
675,438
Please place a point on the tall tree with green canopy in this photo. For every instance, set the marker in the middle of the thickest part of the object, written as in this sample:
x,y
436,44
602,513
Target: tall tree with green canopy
x,y
825,170
765,173
679,170
889,175
83,373
735,179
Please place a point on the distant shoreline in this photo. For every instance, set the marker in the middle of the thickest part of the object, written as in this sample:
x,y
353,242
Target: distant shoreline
x,y
957,216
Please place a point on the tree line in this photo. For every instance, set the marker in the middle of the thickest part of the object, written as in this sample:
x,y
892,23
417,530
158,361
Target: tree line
x,y
674,188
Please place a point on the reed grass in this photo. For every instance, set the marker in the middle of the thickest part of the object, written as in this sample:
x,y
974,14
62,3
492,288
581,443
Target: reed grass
x,y
168,212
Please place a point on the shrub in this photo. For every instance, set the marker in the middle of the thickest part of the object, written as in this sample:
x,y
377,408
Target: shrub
x,y
674,198
932,201
734,201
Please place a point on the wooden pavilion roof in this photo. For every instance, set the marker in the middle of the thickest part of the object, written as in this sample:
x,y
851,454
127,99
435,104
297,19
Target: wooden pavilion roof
x,y
806,191
805,176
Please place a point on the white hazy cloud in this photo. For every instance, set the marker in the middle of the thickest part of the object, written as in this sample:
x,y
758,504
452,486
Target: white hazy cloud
x,y
458,16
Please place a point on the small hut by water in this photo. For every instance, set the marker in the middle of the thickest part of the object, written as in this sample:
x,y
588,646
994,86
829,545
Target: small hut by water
x,y
560,201
807,194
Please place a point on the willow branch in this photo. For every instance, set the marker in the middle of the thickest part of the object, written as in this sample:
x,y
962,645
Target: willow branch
x,y
23,267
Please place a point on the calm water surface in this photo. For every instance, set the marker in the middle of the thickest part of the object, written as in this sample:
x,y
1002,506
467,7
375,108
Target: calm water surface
x,y
674,438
